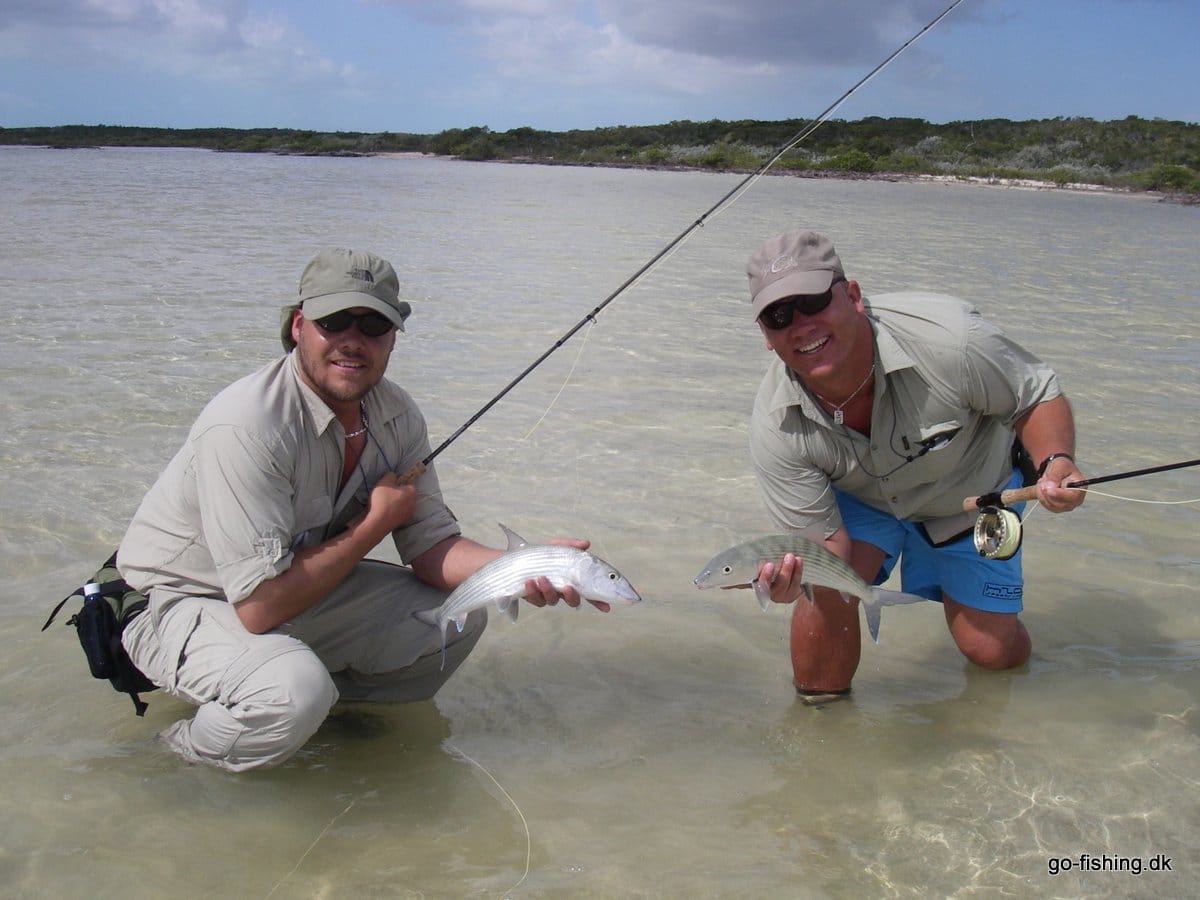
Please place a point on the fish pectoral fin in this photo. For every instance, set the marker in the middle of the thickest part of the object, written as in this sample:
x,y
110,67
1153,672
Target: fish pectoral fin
x,y
807,590
510,606
763,592
514,539
845,597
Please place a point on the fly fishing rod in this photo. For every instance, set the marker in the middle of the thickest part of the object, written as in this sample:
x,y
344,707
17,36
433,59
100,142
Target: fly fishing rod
x,y
998,529
803,133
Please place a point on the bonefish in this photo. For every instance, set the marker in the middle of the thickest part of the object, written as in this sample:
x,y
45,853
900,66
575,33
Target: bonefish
x,y
740,564
502,581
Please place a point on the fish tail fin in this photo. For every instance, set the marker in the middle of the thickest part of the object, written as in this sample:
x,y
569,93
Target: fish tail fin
x,y
430,617
897,598
881,597
872,609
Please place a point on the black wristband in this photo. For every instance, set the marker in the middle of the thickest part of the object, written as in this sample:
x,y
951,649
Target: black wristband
x,y
1041,470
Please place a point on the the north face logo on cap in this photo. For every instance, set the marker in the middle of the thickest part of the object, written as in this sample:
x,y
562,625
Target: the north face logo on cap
x,y
362,275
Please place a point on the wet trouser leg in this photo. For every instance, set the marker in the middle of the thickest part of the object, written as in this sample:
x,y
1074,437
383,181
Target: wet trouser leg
x,y
261,697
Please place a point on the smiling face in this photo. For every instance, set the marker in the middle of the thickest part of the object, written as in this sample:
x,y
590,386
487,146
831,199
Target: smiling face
x,y
827,348
340,367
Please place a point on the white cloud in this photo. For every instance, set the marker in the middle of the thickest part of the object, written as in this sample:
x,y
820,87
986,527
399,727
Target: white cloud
x,y
212,40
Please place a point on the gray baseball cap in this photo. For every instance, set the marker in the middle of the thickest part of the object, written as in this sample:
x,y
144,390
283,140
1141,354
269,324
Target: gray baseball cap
x,y
799,262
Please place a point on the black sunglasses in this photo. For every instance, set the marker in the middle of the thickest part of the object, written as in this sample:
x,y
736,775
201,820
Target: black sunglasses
x,y
370,324
779,315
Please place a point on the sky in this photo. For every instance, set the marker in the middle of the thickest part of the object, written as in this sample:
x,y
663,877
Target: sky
x,y
555,65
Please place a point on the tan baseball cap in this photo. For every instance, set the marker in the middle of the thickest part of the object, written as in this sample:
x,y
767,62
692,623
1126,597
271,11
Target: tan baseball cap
x,y
337,279
799,262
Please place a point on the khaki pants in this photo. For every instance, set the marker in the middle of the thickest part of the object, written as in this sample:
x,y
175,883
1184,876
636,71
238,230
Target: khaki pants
x,y
262,696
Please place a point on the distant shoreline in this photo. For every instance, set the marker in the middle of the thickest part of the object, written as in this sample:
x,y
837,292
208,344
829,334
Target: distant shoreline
x,y
1028,184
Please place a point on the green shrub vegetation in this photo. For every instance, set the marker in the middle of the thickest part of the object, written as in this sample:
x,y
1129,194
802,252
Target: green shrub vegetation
x,y
1132,153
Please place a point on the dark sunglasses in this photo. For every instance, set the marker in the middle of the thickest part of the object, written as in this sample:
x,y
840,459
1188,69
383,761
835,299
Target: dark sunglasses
x,y
370,324
779,315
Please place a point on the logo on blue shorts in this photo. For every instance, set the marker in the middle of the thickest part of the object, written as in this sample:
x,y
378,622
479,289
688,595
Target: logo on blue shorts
x,y
1003,591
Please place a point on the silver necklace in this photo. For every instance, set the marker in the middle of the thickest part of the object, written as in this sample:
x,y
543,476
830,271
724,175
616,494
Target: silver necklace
x,y
838,416
362,411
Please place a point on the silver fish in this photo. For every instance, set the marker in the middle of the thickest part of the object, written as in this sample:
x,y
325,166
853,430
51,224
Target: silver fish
x,y
502,581
740,564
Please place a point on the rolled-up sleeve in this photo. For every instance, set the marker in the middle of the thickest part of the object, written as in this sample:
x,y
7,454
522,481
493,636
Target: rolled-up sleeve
x,y
246,508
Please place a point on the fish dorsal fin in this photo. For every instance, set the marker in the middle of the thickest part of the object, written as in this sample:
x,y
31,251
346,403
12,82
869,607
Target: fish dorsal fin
x,y
514,539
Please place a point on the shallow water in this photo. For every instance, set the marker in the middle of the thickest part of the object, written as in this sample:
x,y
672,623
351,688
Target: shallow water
x,y
657,750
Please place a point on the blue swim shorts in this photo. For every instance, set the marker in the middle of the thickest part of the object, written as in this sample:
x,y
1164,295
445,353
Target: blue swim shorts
x,y
956,568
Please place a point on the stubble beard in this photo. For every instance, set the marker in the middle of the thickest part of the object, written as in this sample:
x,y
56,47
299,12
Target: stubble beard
x,y
324,387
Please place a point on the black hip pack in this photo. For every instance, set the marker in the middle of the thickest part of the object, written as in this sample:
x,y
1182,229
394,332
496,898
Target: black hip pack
x,y
109,604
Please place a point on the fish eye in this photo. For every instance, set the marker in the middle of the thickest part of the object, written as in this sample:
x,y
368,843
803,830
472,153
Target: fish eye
x,y
727,569
612,576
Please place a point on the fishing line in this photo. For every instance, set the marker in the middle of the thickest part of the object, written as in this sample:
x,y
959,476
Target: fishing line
x,y
726,200
304,855
562,387
508,797
1141,500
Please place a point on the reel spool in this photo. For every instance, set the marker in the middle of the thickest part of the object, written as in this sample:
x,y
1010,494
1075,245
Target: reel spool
x,y
997,533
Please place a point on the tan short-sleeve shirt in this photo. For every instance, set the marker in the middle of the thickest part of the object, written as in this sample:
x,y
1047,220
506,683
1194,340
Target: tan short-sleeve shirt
x,y
257,479
951,382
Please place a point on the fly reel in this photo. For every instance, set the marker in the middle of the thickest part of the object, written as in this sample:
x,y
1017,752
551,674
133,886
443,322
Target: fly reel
x,y
997,533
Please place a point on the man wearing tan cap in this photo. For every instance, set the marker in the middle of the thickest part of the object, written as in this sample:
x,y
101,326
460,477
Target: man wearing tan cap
x,y
251,544
876,419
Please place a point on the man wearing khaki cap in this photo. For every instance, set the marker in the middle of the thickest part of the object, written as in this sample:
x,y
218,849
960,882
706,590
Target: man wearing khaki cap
x,y
251,544
876,419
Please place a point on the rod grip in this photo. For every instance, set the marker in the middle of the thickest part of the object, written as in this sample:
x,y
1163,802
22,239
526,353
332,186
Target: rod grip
x,y
413,473
1004,498
1015,495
